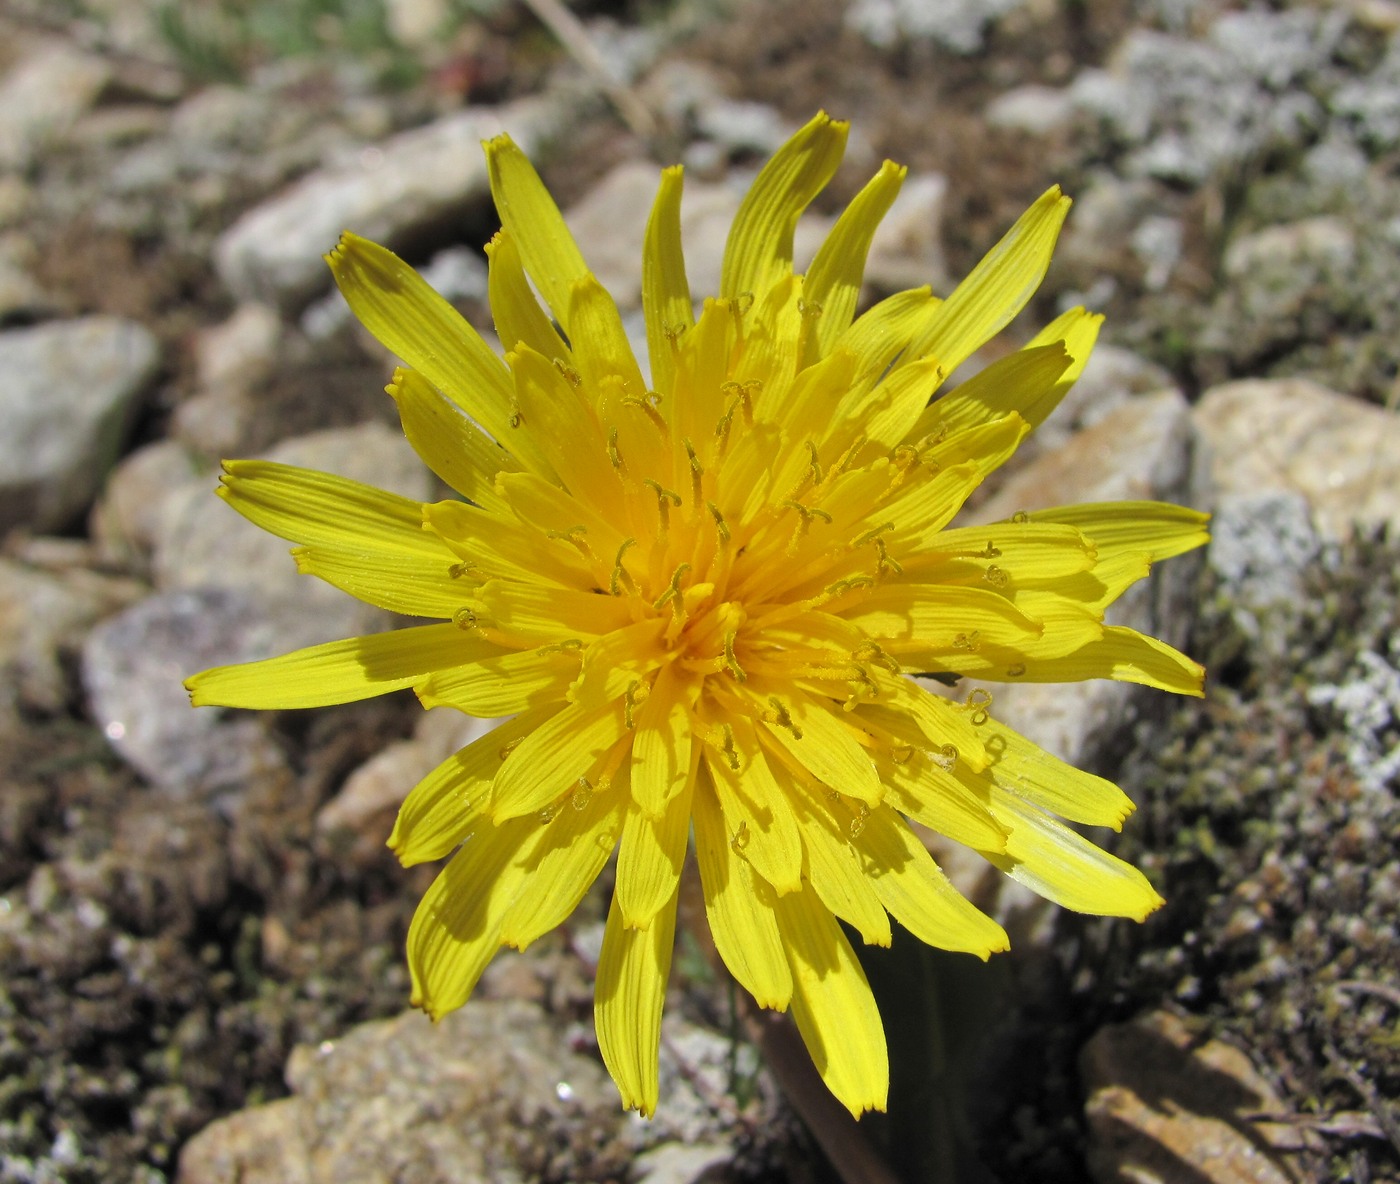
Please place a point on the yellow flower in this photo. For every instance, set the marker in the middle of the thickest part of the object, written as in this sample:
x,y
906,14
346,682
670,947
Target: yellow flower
x,y
702,598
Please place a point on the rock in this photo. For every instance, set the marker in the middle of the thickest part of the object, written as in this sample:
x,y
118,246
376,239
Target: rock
x,y
21,297
610,224
237,355
133,665
416,24
1033,109
391,191
1293,436
204,544
1261,547
1112,378
44,616
71,390
1368,704
679,89
1162,1109
356,822
43,96
959,26
1370,105
492,1093
907,250
743,127
125,522
677,1163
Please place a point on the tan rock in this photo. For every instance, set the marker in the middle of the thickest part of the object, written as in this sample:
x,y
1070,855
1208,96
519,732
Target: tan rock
x,y
1294,436
1164,1110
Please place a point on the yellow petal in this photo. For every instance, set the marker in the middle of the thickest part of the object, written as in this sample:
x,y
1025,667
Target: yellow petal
x,y
998,287
881,334
528,212
649,860
518,317
739,908
833,1006
1076,330
572,849
403,584
601,348
456,929
755,810
1122,654
929,794
1013,383
834,869
448,441
546,768
1060,865
451,801
630,991
759,250
943,619
614,662
339,671
1044,780
502,685
540,614
661,748
917,893
1156,530
413,322
665,292
834,279
823,744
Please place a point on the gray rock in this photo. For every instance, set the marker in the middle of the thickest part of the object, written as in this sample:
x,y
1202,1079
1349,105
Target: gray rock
x,y
740,126
907,250
609,223
133,665
71,389
1293,436
44,616
1370,105
1369,706
202,543
125,522
1261,546
387,193
959,26
42,96
1033,109
677,1163
239,353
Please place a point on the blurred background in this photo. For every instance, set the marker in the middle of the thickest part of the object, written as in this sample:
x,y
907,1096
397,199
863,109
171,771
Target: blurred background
x,y
201,967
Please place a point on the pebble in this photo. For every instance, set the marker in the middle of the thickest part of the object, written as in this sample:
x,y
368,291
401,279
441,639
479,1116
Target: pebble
x,y
907,250
356,822
71,390
133,665
125,522
450,1103
202,543
391,190
1164,1107
1033,109
42,96
1293,436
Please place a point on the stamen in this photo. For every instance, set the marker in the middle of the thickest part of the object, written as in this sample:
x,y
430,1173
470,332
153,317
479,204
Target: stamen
x,y
1016,670
992,551
742,303
750,392
872,651
996,576
945,757
665,498
696,472
516,418
967,641
782,717
458,570
846,457
637,693
720,524
507,749
614,457
575,537
979,703
741,837
570,645
857,824
871,535
902,754
731,663
582,795
648,408
805,516
883,561
1021,517
571,376
673,595
814,465
466,620
620,574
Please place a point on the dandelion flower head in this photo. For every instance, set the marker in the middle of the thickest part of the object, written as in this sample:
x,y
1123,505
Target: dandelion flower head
x,y
701,598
